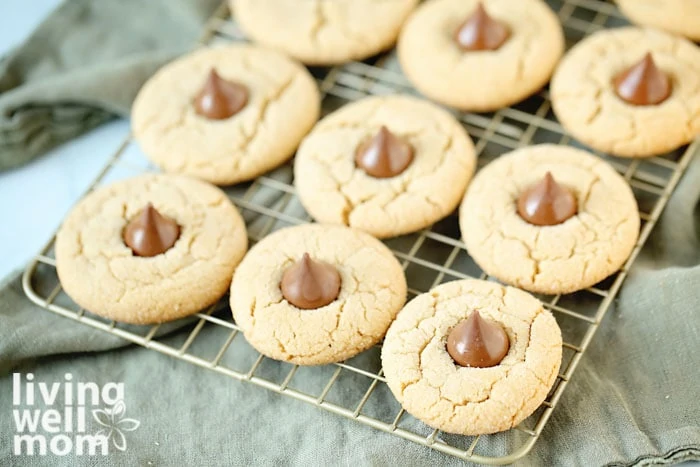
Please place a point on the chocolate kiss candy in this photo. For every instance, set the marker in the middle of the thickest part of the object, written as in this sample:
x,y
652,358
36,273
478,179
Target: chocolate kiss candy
x,y
219,98
481,32
643,83
384,155
310,284
547,203
150,233
476,342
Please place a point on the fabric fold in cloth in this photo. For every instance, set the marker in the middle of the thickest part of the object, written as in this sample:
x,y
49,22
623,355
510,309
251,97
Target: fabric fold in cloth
x,y
84,65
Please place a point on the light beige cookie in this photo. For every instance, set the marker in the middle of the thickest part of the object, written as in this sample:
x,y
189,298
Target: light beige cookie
x,y
481,80
372,291
333,189
554,259
323,32
462,399
103,275
676,16
587,105
283,104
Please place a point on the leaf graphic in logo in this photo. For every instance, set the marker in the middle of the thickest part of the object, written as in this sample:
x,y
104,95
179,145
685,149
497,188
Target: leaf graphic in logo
x,y
115,424
103,417
118,440
118,410
128,424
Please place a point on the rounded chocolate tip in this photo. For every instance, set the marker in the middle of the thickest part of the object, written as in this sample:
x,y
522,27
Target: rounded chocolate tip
x,y
547,203
384,155
150,233
481,32
476,342
643,83
219,99
309,284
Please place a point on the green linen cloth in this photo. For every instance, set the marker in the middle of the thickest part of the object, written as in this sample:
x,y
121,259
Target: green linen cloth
x,y
84,65
633,400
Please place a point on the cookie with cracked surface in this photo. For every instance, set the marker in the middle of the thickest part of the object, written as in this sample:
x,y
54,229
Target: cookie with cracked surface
x,y
386,181
102,270
323,32
471,400
586,102
225,114
576,252
437,54
675,16
353,319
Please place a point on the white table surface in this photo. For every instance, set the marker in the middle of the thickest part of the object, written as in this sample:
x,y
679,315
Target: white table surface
x,y
35,197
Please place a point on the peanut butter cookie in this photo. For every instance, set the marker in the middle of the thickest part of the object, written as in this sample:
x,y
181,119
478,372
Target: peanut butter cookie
x,y
630,92
387,165
472,320
480,56
225,114
150,249
549,219
315,294
323,32
675,16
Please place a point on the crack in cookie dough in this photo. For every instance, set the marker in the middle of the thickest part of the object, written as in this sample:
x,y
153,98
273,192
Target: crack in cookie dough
x,y
585,102
102,274
485,394
485,80
463,400
322,32
373,289
539,254
334,190
320,23
332,23
392,195
554,259
284,103
249,138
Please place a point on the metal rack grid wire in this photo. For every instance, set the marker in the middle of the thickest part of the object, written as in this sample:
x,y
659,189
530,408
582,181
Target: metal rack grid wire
x,y
429,257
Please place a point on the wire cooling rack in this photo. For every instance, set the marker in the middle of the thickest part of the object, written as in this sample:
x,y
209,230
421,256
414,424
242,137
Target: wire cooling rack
x,y
356,388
